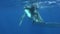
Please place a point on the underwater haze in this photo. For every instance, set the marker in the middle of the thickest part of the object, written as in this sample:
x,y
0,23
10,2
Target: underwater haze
x,y
12,10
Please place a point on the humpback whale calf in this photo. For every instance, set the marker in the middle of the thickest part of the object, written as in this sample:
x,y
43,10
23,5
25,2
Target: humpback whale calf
x,y
31,11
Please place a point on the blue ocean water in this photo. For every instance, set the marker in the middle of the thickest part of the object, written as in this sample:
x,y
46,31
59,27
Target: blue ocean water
x,y
12,10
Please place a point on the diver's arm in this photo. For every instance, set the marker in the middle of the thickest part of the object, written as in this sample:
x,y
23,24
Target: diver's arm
x,y
21,21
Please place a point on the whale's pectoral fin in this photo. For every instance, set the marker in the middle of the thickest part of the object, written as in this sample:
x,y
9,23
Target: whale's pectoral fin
x,y
37,18
21,21
40,18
